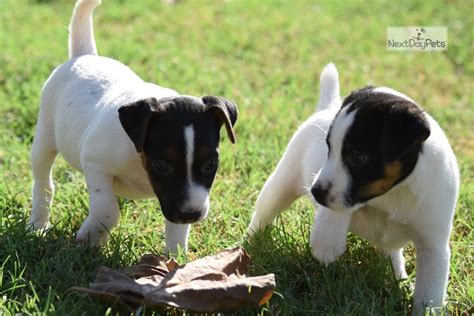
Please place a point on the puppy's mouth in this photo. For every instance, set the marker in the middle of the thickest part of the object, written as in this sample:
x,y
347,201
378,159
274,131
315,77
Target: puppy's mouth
x,y
182,208
185,218
346,208
338,202
188,216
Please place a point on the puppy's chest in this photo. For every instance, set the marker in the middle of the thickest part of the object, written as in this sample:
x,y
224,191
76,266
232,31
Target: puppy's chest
x,y
387,220
375,225
400,204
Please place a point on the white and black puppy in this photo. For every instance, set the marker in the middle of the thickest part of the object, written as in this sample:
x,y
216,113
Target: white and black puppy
x,y
379,166
129,138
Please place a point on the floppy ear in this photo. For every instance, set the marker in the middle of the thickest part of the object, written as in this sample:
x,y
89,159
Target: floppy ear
x,y
225,110
405,126
135,117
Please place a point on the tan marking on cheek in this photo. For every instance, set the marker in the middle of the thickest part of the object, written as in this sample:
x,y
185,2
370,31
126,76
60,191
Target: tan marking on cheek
x,y
392,173
172,153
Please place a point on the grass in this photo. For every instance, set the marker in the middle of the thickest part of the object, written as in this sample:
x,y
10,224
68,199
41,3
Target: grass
x,y
265,55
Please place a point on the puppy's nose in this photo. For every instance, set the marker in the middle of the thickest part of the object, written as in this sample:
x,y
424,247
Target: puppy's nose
x,y
320,193
189,216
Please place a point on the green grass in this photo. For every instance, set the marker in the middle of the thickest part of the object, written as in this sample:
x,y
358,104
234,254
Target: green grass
x,y
265,55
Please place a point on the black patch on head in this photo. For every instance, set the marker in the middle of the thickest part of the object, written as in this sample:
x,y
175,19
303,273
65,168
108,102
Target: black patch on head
x,y
358,98
156,127
381,147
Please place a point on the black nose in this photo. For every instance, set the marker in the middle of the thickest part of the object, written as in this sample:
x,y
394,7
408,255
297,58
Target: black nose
x,y
320,193
188,216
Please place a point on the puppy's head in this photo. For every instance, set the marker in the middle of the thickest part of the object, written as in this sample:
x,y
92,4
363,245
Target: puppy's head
x,y
178,140
374,143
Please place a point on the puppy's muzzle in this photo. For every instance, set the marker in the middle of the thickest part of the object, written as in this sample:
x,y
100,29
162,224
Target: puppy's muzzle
x,y
188,217
320,193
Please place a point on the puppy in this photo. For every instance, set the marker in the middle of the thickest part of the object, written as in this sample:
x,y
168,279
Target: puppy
x,y
379,166
129,138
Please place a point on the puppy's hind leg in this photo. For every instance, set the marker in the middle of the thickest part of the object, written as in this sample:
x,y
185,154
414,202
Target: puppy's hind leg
x,y
278,193
103,209
398,262
276,196
43,154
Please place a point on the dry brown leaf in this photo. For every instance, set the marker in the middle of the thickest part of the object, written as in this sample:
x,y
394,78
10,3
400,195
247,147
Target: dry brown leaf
x,y
211,284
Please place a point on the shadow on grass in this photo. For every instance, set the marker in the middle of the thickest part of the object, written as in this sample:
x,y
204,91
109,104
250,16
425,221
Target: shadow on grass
x,y
38,268
360,282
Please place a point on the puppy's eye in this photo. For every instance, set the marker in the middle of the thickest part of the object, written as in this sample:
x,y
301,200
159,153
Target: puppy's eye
x,y
162,167
356,158
210,165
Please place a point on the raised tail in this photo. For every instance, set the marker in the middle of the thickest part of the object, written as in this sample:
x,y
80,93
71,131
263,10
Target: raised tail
x,y
81,30
329,95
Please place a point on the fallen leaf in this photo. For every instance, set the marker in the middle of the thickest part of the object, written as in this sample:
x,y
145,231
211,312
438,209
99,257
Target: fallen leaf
x,y
211,284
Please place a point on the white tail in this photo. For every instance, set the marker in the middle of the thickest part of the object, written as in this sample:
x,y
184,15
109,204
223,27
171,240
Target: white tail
x,y
328,88
81,30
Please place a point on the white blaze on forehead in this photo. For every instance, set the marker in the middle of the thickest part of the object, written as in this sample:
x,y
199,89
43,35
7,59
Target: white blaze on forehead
x,y
189,143
197,198
339,128
334,174
393,92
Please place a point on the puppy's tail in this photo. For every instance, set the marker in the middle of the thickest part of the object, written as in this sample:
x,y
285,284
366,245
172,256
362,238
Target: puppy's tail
x,y
81,31
329,95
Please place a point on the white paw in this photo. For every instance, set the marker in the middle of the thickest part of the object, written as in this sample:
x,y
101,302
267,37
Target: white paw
x,y
92,233
39,219
256,224
173,250
40,223
251,230
327,248
401,273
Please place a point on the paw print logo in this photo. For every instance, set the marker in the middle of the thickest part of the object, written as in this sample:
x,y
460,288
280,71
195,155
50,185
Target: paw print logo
x,y
419,32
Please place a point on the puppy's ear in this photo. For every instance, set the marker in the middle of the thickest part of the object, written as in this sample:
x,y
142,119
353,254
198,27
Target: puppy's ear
x,y
225,110
405,126
135,117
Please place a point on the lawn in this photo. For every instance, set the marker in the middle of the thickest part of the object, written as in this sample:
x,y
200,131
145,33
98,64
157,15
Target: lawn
x,y
265,55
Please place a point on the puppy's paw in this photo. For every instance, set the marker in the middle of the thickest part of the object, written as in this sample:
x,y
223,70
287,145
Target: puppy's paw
x,y
400,273
251,230
39,220
174,250
93,234
256,224
327,247
39,226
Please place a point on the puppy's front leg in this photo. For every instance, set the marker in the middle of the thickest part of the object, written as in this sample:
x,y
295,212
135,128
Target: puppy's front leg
x,y
103,209
432,265
176,236
329,234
